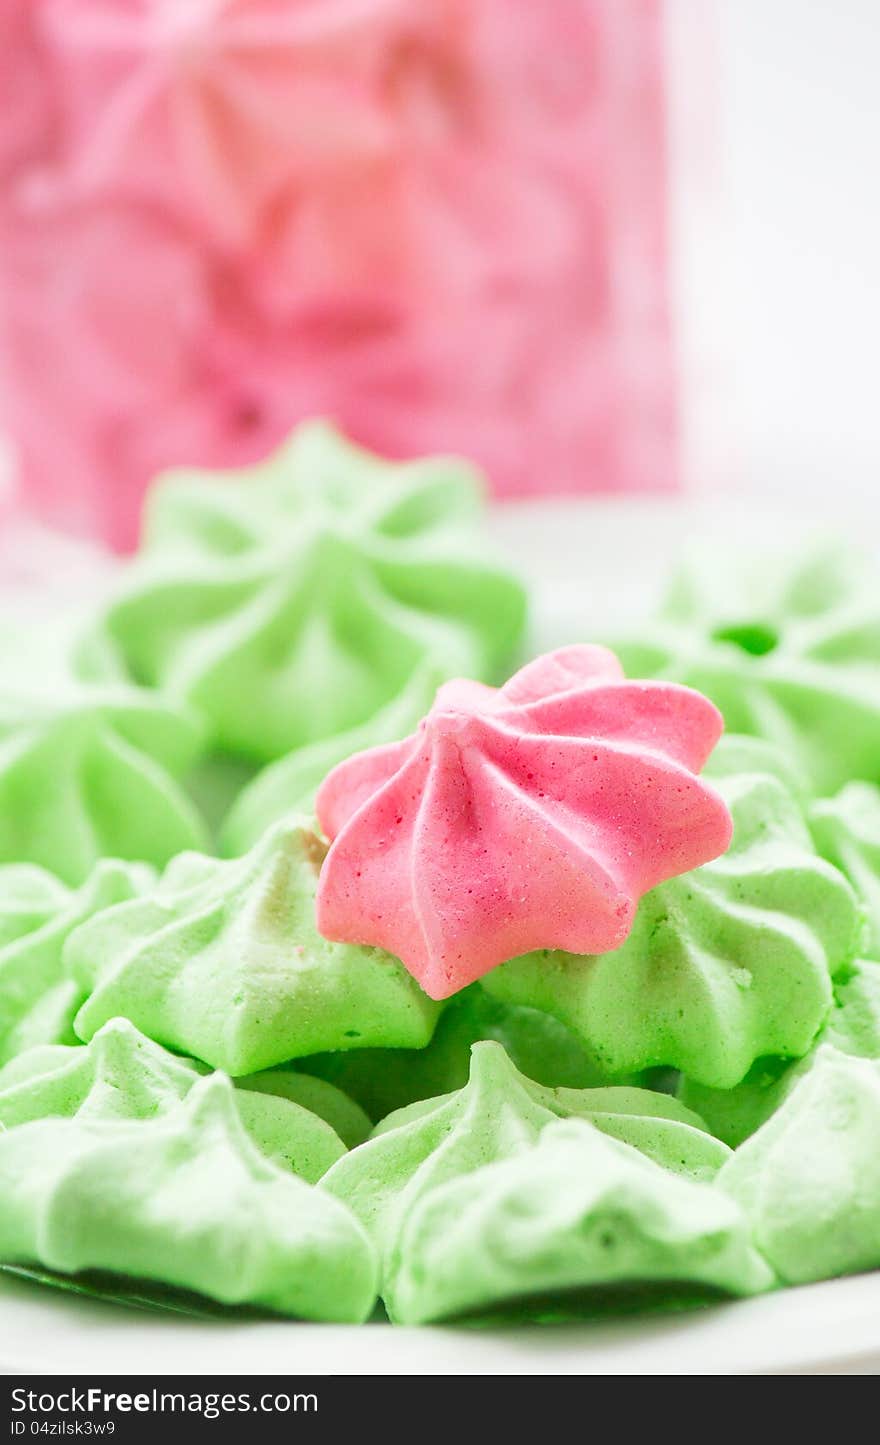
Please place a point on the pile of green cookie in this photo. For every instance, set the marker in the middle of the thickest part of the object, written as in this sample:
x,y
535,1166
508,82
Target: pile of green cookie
x,y
202,1099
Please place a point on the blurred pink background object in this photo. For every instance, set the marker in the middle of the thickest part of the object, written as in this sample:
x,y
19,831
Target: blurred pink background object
x,y
442,224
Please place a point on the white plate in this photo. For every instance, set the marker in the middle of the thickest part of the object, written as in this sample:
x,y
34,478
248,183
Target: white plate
x,y
823,1328
592,564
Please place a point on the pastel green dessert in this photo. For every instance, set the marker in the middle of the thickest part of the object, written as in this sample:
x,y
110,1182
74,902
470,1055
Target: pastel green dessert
x,y
787,647
499,1114
498,1103
852,1027
738,753
846,831
384,1080
344,1115
167,1184
809,1179
294,599
38,1001
293,614
288,787
223,961
88,769
724,965
576,1211
122,1074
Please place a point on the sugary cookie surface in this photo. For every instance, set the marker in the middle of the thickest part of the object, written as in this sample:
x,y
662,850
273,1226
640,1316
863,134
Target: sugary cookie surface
x,y
465,999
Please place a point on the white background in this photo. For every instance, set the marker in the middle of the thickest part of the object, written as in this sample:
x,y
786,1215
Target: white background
x,y
777,138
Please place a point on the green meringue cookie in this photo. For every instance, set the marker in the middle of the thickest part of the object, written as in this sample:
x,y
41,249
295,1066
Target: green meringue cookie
x,y
734,1114
809,1179
724,965
88,769
852,1027
122,1074
293,600
499,1113
498,1103
38,1001
576,1211
788,647
345,1117
215,784
288,786
185,1197
846,831
223,961
738,753
419,1152
384,1080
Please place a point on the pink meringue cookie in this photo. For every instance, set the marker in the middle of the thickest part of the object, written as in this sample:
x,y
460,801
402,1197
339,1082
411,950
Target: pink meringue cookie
x,y
531,816
27,128
441,225
216,106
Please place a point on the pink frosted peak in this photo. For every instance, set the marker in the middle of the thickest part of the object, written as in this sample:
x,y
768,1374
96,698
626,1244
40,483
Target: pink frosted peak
x,y
529,816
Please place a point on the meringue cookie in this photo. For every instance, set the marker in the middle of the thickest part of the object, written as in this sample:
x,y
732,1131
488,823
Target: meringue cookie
x,y
28,94
724,966
531,816
218,110
223,961
289,785
293,600
575,1211
344,1115
384,1080
185,1197
787,648
122,1074
390,212
809,1179
37,913
87,768
499,1113
738,753
498,1104
846,831
852,1027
